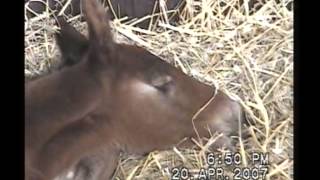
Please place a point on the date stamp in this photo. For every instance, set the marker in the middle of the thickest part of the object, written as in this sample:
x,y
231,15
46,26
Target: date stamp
x,y
217,164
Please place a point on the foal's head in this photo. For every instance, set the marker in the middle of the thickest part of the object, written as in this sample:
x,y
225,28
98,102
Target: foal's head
x,y
149,100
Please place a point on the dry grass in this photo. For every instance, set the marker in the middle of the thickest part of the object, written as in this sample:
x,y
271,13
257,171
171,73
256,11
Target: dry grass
x,y
246,52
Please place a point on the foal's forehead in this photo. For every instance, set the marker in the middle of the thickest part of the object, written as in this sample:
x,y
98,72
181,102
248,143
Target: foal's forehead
x,y
137,58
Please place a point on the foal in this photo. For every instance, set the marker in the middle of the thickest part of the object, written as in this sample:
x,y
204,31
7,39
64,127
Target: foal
x,y
114,98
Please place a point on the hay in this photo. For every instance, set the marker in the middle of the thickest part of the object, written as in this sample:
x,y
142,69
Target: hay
x,y
246,52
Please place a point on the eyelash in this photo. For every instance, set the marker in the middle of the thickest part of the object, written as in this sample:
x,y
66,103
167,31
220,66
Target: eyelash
x,y
165,87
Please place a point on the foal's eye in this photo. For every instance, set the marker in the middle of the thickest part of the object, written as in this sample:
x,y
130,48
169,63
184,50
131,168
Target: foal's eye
x,y
162,83
165,88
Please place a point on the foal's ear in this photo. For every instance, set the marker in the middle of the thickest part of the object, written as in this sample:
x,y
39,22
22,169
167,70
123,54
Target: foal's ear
x,y
101,43
72,43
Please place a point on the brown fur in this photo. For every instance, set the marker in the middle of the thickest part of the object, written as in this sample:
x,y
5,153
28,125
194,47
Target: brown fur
x,y
115,98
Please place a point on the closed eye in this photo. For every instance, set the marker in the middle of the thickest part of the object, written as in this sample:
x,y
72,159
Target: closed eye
x,y
165,88
162,83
